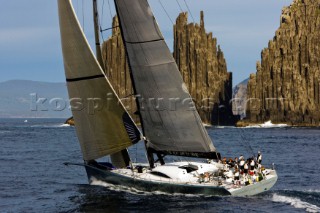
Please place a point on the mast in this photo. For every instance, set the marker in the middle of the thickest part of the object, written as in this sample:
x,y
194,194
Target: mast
x,y
97,34
119,159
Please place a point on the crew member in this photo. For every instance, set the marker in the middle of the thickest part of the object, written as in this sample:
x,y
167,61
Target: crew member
x,y
252,164
230,163
236,177
236,160
241,164
246,167
241,157
259,157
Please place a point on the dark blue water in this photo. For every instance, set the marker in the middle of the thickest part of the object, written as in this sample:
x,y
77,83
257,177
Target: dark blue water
x,y
34,179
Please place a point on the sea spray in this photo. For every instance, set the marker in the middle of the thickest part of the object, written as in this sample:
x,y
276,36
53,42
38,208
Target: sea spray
x,y
295,202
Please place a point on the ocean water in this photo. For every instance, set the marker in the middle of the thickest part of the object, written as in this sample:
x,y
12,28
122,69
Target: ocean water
x,y
34,179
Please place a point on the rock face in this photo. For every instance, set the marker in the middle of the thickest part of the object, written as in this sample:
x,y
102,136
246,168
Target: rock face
x,y
117,69
204,70
70,121
239,98
200,61
286,86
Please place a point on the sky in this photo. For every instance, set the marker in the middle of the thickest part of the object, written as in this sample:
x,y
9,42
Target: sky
x,y
30,38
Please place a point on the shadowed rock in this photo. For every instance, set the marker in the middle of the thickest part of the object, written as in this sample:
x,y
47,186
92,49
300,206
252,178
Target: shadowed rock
x,y
204,70
286,85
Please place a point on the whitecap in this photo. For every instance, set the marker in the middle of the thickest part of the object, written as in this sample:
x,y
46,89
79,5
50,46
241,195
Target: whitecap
x,y
267,124
50,125
207,125
64,125
224,127
296,202
313,190
58,125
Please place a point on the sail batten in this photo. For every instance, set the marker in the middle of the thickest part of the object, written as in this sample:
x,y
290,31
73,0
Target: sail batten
x,y
85,78
169,119
103,125
141,42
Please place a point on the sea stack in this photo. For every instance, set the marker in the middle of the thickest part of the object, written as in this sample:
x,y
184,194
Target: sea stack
x,y
286,87
204,70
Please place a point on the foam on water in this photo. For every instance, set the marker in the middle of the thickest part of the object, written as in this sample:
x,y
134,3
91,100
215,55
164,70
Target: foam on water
x,y
50,125
308,191
267,124
206,125
313,190
224,127
295,202
64,125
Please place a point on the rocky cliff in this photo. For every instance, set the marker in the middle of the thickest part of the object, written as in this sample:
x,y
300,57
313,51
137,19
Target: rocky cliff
x,y
204,70
286,86
117,69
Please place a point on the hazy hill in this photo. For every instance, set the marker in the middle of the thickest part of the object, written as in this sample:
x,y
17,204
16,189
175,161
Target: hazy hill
x,y
240,97
22,98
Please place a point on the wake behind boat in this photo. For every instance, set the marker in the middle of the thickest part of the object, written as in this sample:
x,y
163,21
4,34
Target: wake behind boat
x,y
108,130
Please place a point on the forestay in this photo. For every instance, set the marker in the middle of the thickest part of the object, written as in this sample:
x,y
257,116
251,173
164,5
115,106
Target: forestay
x,y
103,126
168,115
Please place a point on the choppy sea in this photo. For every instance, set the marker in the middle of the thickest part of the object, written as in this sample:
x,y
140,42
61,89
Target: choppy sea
x,y
33,177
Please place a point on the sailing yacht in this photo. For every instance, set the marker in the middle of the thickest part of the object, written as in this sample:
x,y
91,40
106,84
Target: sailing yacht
x,y
169,122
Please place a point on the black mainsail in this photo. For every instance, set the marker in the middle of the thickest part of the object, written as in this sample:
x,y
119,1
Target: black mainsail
x,y
169,119
102,123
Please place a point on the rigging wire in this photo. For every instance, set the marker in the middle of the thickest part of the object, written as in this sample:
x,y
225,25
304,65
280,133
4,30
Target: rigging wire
x,y
136,157
111,15
102,13
101,18
77,7
166,11
101,21
179,5
189,10
247,143
83,15
110,28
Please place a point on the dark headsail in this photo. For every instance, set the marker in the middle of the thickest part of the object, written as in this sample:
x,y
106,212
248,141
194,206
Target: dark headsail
x,y
169,119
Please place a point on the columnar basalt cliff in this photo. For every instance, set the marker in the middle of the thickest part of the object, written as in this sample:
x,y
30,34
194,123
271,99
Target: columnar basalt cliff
x,y
286,86
204,70
117,69
200,61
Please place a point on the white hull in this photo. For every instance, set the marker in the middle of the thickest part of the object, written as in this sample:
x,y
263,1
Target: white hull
x,y
172,179
257,187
